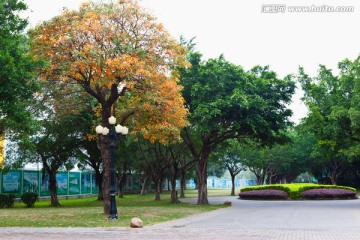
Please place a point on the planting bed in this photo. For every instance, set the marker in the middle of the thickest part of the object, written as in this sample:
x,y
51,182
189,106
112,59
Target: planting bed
x,y
265,195
297,191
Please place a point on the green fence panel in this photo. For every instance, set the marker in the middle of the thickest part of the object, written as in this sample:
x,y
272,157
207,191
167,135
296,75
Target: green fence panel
x,y
44,185
94,186
62,183
12,183
31,181
74,183
85,183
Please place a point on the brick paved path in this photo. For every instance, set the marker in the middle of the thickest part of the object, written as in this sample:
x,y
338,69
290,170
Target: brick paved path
x,y
245,220
175,233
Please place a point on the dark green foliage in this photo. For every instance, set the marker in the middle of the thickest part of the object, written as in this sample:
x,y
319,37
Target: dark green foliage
x,y
17,68
334,116
4,200
227,102
11,200
7,200
29,198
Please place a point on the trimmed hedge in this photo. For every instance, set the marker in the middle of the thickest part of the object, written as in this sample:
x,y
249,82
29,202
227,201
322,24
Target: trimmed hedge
x,y
29,198
302,189
265,194
295,191
7,200
267,187
328,193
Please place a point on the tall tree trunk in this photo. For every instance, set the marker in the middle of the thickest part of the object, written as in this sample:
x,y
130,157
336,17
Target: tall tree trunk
x,y
157,188
121,185
106,158
174,195
53,189
202,177
99,182
143,187
182,184
232,184
161,181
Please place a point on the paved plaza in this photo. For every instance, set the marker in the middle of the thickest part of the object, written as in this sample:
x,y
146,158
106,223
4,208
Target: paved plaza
x,y
245,220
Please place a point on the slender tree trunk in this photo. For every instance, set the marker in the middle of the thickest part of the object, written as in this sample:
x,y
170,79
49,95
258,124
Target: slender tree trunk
x,y
157,188
233,184
202,177
161,181
121,185
174,195
53,189
99,182
143,187
182,184
332,179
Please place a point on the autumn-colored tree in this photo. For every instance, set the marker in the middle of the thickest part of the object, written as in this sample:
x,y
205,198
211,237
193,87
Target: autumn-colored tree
x,y
113,50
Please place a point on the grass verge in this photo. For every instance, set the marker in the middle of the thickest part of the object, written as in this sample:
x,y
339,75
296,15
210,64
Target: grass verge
x,y
87,212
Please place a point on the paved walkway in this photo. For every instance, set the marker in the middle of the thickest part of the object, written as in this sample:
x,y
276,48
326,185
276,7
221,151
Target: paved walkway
x,y
245,220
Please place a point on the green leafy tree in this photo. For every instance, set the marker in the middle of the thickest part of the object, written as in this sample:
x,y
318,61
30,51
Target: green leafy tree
x,y
56,145
229,156
226,102
17,82
334,110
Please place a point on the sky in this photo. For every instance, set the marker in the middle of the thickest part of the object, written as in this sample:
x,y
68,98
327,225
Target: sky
x,y
281,34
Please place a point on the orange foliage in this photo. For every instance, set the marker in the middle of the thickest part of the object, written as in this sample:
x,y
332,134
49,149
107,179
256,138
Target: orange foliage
x,y
103,45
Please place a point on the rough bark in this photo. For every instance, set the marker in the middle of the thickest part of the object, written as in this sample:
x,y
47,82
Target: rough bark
x,y
121,185
232,184
202,177
174,194
182,184
99,182
105,155
106,159
53,189
143,187
157,189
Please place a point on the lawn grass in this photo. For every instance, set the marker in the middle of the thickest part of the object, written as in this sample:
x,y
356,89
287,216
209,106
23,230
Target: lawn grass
x,y
87,212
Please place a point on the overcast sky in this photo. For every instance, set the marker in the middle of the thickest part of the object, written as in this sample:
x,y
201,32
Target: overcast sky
x,y
248,34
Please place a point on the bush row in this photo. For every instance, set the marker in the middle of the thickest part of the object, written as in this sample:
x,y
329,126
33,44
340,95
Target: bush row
x,y
267,187
267,192
7,200
305,188
328,193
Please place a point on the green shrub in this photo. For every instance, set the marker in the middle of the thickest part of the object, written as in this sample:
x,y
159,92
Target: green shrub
x,y
29,198
268,187
329,193
4,200
303,189
264,194
11,200
295,190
